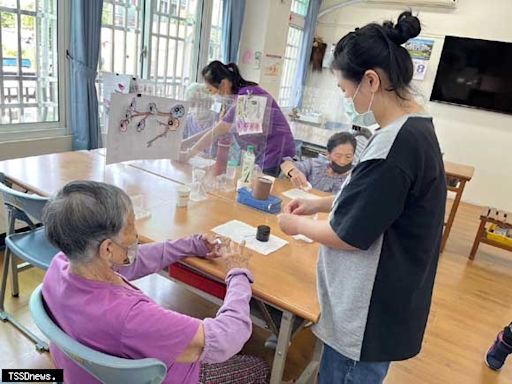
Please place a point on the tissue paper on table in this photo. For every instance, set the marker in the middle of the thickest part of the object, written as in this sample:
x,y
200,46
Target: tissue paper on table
x,y
297,193
239,231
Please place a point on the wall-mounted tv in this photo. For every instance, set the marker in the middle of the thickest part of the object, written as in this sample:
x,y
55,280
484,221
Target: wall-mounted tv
x,y
475,73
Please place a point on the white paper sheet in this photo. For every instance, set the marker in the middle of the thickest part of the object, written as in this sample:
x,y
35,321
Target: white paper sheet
x,y
239,231
297,193
144,127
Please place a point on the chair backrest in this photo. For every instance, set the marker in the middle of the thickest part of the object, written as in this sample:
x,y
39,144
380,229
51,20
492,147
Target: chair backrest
x,y
30,204
105,368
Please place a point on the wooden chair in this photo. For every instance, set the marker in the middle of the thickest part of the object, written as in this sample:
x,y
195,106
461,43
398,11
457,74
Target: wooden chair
x,y
491,216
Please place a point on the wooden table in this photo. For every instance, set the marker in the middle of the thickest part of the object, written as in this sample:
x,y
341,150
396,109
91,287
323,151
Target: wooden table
x,y
285,279
460,174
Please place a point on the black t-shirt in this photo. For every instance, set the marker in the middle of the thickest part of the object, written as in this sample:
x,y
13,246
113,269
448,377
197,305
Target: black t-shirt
x,y
375,301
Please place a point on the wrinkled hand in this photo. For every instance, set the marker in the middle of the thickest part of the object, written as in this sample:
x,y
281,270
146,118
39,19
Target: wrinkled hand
x,y
235,255
302,207
298,178
214,244
289,223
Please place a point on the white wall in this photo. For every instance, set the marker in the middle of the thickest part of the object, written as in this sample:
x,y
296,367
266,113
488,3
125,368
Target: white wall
x,y
265,30
474,137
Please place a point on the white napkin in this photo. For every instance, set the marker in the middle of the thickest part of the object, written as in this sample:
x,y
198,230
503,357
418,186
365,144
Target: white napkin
x,y
239,231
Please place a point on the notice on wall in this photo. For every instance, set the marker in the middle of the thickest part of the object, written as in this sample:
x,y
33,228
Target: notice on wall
x,y
420,50
272,65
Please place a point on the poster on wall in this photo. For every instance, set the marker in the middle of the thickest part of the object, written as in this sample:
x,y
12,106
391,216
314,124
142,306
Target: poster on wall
x,y
144,127
420,50
272,67
248,57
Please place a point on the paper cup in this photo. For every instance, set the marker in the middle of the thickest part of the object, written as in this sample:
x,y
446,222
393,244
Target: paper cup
x,y
182,196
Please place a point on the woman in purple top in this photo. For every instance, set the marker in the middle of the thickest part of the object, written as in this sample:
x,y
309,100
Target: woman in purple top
x,y
276,141
88,291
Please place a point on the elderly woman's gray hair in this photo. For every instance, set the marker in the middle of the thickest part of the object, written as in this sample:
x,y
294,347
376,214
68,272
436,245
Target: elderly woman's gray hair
x,y
83,214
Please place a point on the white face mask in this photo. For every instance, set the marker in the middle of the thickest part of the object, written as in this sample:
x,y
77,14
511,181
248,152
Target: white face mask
x,y
131,252
365,119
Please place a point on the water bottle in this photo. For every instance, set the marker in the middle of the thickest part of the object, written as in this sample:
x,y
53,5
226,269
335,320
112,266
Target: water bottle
x,y
231,170
248,161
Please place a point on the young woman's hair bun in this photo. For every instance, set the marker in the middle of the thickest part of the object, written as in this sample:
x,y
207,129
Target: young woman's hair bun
x,y
407,27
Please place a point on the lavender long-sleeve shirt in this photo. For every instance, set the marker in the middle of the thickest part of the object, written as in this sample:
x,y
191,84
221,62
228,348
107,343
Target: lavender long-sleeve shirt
x,y
123,321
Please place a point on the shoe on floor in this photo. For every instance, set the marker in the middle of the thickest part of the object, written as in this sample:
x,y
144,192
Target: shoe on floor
x,y
497,354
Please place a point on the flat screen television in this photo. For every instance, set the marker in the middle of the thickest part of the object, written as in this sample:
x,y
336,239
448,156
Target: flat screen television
x,y
475,73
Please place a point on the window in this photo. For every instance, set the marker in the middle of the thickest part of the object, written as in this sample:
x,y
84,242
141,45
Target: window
x,y
290,63
29,79
173,49
159,40
291,57
216,43
300,7
122,24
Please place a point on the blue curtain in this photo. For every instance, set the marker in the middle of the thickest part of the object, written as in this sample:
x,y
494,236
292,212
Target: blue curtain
x,y
83,52
305,51
232,20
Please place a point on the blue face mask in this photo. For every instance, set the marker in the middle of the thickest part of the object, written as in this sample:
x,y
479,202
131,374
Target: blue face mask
x,y
365,119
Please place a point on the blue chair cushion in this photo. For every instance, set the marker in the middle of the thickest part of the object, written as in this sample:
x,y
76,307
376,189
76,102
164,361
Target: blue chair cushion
x,y
33,247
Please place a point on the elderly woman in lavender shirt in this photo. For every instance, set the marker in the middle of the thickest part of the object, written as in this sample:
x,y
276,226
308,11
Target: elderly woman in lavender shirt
x,y
88,291
272,146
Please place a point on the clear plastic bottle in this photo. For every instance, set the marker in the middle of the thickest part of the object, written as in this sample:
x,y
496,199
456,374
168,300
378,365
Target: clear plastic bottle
x,y
248,161
231,169
228,181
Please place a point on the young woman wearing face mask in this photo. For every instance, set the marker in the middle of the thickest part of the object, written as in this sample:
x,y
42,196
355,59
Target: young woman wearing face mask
x,y
325,173
274,144
380,245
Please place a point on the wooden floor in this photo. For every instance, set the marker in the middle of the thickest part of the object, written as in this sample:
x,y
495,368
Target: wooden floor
x,y
472,301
